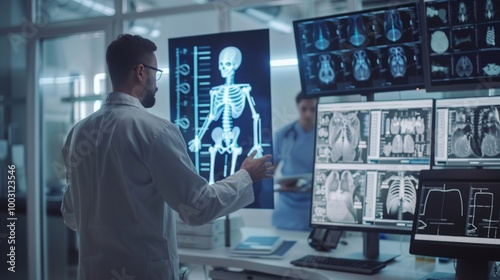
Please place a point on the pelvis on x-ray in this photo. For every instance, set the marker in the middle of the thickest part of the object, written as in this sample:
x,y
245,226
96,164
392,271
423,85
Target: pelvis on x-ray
x,y
361,66
393,25
397,62
344,136
326,73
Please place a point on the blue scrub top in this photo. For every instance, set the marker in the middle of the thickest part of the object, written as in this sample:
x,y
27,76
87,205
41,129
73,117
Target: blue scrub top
x,y
295,148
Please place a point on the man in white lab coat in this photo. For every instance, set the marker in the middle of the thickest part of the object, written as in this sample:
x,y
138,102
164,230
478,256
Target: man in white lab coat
x,y
128,172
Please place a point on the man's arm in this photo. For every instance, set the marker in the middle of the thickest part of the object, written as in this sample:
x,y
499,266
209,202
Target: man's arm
x,y
67,206
178,182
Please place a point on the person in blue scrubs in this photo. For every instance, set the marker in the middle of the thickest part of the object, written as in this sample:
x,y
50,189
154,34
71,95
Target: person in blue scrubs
x,y
294,154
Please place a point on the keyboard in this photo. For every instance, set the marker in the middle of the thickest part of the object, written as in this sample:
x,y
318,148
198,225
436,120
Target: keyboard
x,y
339,264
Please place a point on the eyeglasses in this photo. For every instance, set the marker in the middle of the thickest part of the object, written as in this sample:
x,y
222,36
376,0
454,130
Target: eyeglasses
x,y
158,71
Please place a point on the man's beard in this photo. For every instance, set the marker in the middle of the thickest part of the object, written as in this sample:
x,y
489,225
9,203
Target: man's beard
x,y
149,100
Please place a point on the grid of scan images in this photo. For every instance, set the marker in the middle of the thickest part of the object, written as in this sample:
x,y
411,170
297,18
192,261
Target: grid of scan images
x,y
368,157
361,51
463,40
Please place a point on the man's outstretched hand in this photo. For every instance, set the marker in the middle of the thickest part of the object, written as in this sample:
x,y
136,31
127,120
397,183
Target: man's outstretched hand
x,y
258,168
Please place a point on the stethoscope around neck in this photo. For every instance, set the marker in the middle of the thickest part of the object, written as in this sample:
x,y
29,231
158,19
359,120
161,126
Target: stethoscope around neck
x,y
289,139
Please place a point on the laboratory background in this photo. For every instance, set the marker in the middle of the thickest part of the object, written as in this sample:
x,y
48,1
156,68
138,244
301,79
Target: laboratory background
x,y
53,74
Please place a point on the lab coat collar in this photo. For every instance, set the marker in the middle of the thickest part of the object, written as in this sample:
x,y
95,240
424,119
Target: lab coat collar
x,y
120,98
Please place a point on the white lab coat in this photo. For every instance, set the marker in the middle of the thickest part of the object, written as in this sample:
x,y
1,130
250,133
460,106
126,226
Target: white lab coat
x,y
128,171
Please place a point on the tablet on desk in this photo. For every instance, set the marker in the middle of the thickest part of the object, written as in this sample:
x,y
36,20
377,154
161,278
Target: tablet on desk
x,y
301,182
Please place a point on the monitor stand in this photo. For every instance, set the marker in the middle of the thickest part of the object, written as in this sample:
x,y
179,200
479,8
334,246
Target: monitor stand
x,y
371,250
466,270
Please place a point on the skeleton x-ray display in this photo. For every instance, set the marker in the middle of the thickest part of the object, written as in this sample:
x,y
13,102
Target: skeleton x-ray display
x,y
342,136
472,209
406,133
338,195
462,39
222,108
397,197
375,50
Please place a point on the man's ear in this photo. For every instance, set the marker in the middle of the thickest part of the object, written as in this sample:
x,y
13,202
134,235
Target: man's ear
x,y
139,72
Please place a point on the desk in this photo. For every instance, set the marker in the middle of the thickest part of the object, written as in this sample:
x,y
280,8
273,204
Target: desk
x,y
405,266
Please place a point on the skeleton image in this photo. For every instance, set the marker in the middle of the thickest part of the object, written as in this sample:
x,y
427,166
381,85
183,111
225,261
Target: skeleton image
x,y
459,41
397,62
326,72
339,196
361,66
462,12
491,69
489,12
464,67
439,41
490,36
228,101
402,195
321,36
441,13
393,25
356,31
344,136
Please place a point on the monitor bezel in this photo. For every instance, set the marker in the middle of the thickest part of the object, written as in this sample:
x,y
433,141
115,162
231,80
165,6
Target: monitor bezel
x,y
366,227
362,90
476,84
454,249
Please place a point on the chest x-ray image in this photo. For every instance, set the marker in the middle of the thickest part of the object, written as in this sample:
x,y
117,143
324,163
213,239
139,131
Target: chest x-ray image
x,y
222,102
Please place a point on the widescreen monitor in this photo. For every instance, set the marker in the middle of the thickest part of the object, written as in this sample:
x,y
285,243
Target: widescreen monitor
x,y
468,132
458,216
368,156
461,44
221,101
360,52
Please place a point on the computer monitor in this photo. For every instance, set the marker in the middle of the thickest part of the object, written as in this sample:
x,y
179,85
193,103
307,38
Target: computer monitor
x,y
457,216
220,104
366,167
468,132
460,44
361,52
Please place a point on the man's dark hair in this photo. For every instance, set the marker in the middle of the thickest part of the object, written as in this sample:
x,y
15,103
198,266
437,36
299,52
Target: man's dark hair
x,y
124,53
302,96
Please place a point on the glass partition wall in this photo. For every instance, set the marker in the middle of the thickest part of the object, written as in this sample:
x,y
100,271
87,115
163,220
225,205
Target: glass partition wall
x,y
53,74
